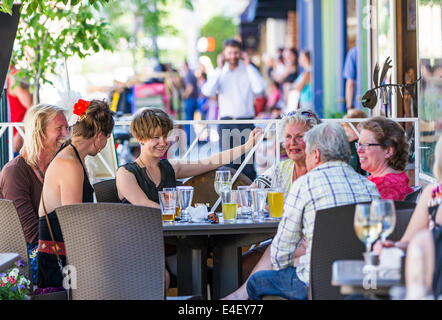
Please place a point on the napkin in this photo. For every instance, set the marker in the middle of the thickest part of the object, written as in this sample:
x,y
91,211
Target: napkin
x,y
390,258
198,214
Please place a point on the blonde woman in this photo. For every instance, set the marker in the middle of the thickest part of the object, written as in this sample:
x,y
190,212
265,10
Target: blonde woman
x,y
21,179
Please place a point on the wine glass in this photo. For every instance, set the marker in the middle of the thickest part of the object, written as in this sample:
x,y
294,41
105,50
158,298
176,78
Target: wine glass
x,y
386,210
367,224
222,181
185,196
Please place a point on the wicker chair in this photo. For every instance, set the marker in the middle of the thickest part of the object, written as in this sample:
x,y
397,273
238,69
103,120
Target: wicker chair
x,y
117,250
12,238
106,191
204,190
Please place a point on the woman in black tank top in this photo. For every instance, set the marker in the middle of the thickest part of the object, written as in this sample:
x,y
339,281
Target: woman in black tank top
x,y
66,182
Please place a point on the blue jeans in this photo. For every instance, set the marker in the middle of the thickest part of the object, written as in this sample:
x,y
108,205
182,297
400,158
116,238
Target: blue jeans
x,y
284,283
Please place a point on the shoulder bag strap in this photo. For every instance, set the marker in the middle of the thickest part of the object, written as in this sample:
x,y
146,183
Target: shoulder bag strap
x,y
50,232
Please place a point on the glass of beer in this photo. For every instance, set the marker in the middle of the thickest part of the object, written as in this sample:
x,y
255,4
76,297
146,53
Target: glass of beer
x,y
230,205
276,203
168,204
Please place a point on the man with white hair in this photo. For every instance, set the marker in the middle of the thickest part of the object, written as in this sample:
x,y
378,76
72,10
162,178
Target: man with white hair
x,y
330,182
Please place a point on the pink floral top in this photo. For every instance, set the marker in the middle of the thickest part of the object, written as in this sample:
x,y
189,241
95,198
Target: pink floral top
x,y
392,186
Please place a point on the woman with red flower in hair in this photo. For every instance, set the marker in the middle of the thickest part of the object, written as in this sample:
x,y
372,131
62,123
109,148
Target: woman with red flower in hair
x,y
66,182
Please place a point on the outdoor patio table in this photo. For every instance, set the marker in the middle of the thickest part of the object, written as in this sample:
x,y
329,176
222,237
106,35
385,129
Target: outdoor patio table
x,y
7,260
349,275
193,240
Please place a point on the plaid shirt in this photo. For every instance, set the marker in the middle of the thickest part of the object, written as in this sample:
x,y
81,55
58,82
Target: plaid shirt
x,y
330,184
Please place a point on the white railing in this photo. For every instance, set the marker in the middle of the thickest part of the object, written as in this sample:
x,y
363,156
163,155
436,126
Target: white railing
x,y
270,125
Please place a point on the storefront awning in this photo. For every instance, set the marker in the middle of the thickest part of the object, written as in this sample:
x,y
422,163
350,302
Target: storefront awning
x,y
263,9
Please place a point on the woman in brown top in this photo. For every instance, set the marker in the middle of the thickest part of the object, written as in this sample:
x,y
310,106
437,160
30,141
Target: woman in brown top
x,y
21,179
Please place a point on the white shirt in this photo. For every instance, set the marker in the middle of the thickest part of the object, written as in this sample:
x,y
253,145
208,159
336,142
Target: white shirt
x,y
235,89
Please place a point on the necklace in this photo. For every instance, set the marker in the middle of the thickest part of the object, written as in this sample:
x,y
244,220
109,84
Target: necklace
x,y
147,171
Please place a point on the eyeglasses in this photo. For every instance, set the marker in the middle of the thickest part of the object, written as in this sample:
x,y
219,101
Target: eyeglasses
x,y
364,146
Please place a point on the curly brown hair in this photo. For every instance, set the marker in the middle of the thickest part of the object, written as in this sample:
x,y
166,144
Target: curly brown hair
x,y
146,122
97,118
389,133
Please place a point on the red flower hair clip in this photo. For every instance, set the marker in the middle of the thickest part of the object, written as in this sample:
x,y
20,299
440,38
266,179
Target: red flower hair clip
x,y
80,107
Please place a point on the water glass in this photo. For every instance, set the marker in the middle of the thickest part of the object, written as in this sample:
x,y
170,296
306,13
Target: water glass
x,y
245,196
185,196
229,205
259,200
167,204
222,181
386,210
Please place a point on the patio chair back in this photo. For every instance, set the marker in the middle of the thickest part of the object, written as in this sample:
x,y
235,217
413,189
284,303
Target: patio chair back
x,y
116,251
106,191
12,237
404,211
414,196
334,239
203,184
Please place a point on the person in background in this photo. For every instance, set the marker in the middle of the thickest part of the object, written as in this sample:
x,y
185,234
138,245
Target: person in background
x,y
302,84
21,179
20,100
190,96
353,138
330,182
274,95
235,81
350,75
383,152
66,182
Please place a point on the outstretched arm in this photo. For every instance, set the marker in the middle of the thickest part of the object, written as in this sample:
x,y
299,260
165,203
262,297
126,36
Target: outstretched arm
x,y
183,169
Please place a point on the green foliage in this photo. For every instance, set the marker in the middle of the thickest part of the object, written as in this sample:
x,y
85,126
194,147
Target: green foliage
x,y
6,5
51,32
220,28
13,285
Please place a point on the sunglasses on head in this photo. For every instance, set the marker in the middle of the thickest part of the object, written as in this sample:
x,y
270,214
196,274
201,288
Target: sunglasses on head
x,y
307,114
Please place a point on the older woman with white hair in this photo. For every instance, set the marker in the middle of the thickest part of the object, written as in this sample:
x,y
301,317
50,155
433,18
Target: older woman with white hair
x,y
21,179
294,126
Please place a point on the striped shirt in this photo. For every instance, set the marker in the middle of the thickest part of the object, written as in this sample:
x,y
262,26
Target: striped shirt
x,y
330,184
284,169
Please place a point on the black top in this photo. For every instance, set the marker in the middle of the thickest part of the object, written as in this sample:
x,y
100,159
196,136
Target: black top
x,y
146,184
49,273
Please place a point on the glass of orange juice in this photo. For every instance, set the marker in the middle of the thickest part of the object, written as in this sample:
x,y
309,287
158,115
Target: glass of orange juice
x,y
276,203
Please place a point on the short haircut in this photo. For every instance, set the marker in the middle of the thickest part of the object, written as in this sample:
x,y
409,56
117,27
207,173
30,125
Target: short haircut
x,y
35,123
354,114
232,43
146,122
97,118
389,133
330,139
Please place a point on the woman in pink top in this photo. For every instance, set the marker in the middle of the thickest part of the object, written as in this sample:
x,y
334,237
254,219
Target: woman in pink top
x,y
383,152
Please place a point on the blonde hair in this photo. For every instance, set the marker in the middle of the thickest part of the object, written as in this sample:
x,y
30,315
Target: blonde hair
x,y
147,121
437,166
35,122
